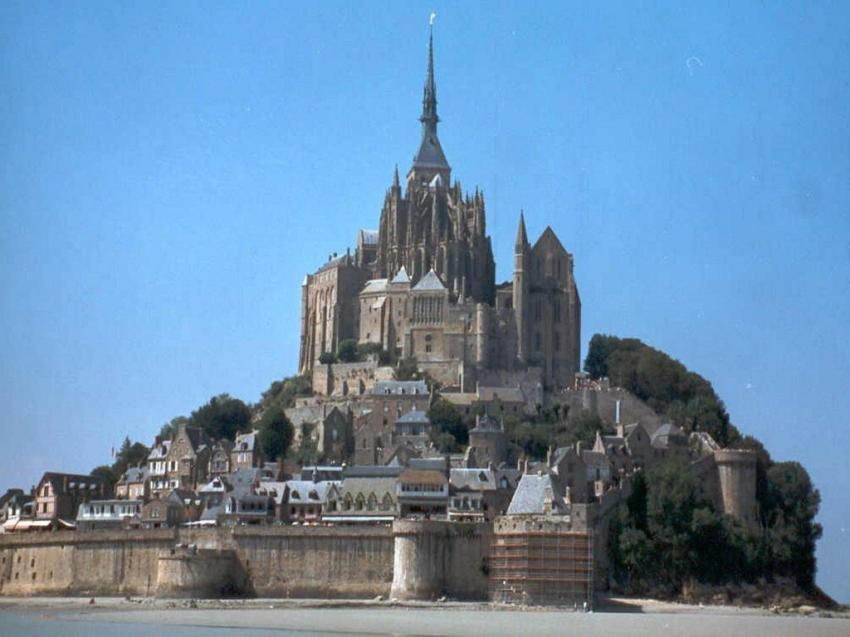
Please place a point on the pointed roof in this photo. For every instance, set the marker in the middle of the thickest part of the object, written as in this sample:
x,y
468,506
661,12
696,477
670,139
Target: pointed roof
x,y
430,153
521,236
429,282
548,235
401,276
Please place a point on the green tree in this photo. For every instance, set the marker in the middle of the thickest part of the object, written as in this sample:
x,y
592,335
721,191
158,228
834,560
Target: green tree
x,y
792,504
284,392
222,417
327,358
105,473
276,433
347,351
407,369
129,454
583,428
170,428
447,419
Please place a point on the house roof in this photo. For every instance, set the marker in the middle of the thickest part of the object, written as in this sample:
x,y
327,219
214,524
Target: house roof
x,y
428,283
134,475
401,276
371,472
473,479
400,387
246,441
378,486
422,476
374,286
531,495
158,452
308,492
414,416
486,423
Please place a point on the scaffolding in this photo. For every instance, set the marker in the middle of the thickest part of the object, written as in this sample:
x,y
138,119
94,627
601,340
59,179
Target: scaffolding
x,y
546,567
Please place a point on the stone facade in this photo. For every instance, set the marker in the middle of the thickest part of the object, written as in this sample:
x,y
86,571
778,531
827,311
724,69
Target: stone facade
x,y
423,285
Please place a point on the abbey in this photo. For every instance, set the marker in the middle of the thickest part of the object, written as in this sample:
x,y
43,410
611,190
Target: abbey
x,y
423,285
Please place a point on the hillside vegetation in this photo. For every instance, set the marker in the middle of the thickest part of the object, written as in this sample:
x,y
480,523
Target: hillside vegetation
x,y
667,533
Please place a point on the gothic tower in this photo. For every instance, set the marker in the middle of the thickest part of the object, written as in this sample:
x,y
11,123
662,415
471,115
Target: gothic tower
x,y
433,224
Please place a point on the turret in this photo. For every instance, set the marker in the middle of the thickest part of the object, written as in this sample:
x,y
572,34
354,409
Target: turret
x,y
520,288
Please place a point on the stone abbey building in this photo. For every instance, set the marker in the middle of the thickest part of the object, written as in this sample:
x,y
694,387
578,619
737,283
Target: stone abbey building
x,y
423,285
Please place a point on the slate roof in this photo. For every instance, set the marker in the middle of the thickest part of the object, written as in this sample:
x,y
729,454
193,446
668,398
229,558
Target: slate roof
x,y
159,451
371,472
531,494
422,476
486,423
249,440
430,153
374,286
401,276
400,387
415,416
473,479
433,464
307,491
134,474
429,282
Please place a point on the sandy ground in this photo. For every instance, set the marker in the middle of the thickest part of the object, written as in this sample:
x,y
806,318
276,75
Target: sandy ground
x,y
632,618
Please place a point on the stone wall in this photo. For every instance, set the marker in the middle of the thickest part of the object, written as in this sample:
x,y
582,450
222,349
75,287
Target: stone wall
x,y
436,558
72,563
277,562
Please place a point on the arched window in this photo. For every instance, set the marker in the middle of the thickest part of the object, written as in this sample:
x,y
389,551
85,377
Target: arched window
x,y
372,502
359,502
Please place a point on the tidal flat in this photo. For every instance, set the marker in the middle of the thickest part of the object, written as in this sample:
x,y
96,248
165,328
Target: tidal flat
x,y
54,617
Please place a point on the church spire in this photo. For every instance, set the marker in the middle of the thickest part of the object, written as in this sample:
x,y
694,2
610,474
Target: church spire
x,y
429,117
430,160
521,237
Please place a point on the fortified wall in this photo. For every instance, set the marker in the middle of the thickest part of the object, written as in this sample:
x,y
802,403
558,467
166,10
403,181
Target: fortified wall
x,y
261,561
412,560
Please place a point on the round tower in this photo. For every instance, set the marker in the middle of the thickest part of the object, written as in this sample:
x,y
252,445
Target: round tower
x,y
736,469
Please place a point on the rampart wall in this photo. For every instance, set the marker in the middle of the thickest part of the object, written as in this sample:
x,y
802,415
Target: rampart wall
x,y
272,562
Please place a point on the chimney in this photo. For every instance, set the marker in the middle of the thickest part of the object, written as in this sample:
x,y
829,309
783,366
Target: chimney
x,y
549,456
617,413
578,447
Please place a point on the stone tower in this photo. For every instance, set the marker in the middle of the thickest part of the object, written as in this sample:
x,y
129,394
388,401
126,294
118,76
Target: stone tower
x,y
432,224
520,288
547,307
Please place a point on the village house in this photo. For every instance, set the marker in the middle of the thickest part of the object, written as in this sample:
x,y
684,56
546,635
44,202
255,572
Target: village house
x,y
158,484
478,495
168,511
246,453
220,458
58,495
15,506
375,427
109,514
134,484
423,493
187,460
367,495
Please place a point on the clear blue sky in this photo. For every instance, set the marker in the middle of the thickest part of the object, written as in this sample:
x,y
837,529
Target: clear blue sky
x,y
169,172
